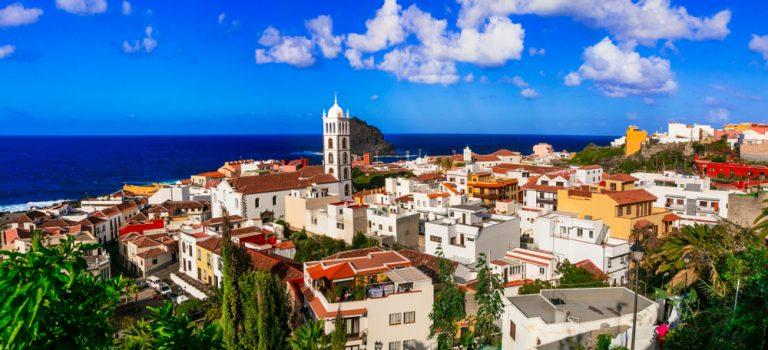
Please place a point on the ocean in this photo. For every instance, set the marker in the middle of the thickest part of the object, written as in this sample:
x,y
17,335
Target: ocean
x,y
38,170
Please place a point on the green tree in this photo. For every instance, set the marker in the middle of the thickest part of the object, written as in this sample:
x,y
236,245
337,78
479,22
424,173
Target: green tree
x,y
535,287
704,246
310,336
265,311
338,338
50,299
235,263
174,331
489,305
137,337
573,276
448,307
603,342
360,240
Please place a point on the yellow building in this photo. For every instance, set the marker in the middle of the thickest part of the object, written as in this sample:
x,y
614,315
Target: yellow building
x,y
635,139
624,208
208,256
142,190
482,185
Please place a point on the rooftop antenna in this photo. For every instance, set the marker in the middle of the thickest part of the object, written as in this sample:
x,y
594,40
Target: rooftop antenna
x,y
335,98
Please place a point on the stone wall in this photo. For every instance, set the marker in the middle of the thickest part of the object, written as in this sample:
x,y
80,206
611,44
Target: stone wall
x,y
744,209
755,153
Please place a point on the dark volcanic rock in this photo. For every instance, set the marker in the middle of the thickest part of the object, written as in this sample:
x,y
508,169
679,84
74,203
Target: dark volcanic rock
x,y
368,139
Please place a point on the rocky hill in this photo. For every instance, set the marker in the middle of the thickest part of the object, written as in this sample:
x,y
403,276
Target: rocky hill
x,y
367,138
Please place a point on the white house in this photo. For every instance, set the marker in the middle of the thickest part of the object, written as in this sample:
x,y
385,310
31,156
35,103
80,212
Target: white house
x,y
394,225
384,301
263,196
575,239
680,132
689,197
558,318
470,230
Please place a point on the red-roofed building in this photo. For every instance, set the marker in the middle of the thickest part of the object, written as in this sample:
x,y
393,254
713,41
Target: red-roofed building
x,y
144,253
380,295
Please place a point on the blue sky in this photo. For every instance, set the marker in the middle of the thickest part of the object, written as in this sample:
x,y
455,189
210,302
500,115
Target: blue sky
x,y
473,66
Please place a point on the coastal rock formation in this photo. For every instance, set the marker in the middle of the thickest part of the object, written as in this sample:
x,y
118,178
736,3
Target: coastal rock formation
x,y
367,138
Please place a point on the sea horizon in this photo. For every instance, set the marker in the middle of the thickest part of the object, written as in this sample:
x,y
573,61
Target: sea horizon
x,y
70,167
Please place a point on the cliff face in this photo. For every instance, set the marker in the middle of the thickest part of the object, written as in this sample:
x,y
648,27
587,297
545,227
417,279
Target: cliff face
x,y
368,139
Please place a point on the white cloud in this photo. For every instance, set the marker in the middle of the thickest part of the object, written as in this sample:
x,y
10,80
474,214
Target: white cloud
x,y
221,17
321,32
537,52
718,115
759,44
374,97
645,21
710,101
82,7
411,65
621,71
497,41
516,80
293,50
469,78
357,61
127,9
529,93
6,51
382,31
148,44
17,15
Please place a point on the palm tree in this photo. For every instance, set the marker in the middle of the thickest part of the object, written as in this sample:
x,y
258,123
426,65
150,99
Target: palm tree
x,y
703,246
212,306
171,331
137,337
761,222
310,336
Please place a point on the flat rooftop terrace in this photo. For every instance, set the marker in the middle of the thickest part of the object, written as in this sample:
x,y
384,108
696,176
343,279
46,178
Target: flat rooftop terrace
x,y
579,304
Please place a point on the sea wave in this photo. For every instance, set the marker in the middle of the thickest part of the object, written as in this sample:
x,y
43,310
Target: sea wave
x,y
29,205
307,153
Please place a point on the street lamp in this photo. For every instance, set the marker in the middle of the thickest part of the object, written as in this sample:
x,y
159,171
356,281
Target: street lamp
x,y
378,345
638,252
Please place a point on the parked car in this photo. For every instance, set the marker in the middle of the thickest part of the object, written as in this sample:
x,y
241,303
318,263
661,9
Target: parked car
x,y
164,289
181,298
141,284
154,282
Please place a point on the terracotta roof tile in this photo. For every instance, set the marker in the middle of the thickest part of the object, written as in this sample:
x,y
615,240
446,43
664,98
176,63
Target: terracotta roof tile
x,y
631,196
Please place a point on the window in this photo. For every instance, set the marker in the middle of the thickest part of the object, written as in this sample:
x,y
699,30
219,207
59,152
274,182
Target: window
x,y
541,270
256,203
344,158
352,326
409,344
274,200
344,143
395,319
395,345
330,143
512,329
330,158
591,234
154,261
409,317
579,232
436,239
620,211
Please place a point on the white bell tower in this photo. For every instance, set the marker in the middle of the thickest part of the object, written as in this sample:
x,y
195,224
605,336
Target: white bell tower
x,y
337,159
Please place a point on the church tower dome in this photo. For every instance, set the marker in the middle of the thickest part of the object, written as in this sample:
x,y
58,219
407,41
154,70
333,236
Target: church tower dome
x,y
337,156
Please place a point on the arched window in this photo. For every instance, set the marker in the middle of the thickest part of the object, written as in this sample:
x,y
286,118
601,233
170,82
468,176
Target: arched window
x,y
346,190
274,200
330,143
256,203
346,173
344,158
330,171
330,158
344,143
